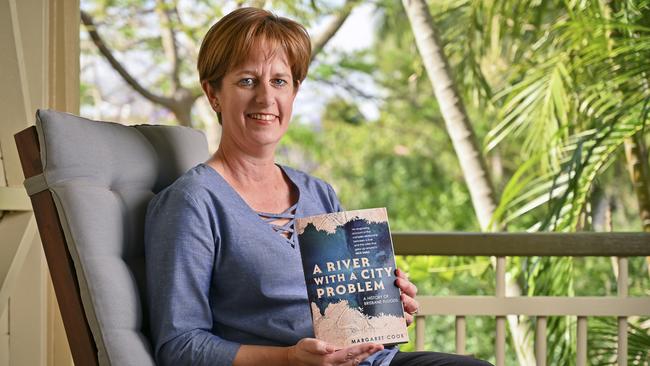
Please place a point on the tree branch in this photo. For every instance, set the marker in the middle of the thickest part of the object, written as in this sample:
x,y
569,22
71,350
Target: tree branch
x,y
190,46
319,42
341,82
99,42
168,36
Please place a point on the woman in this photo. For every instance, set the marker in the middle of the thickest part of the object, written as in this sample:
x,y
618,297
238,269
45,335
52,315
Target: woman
x,y
225,282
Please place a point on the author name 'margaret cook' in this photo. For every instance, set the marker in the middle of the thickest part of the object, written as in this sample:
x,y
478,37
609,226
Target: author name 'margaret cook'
x,y
389,338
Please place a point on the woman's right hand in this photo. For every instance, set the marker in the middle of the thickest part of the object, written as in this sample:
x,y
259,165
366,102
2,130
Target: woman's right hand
x,y
314,352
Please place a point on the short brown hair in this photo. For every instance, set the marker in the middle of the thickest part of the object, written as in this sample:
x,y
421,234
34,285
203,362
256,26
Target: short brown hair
x,y
230,40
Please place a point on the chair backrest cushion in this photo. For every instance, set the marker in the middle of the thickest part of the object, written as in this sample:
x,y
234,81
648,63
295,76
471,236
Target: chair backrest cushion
x,y
102,176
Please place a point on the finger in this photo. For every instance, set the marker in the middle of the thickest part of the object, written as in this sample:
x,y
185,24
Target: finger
x,y
401,274
360,352
356,361
409,318
365,354
411,305
406,286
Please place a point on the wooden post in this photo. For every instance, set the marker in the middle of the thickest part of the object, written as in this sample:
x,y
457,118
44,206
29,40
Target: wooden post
x,y
460,334
501,320
540,341
622,320
581,349
420,322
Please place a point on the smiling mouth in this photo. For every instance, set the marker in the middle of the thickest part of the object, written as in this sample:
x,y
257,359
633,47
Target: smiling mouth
x,y
261,116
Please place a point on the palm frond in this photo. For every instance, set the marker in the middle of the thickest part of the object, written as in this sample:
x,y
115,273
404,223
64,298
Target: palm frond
x,y
565,191
603,342
539,105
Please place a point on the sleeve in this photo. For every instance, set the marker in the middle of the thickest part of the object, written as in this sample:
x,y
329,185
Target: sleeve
x,y
334,199
180,246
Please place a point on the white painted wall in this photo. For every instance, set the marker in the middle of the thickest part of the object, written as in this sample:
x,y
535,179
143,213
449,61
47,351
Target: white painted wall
x,y
39,66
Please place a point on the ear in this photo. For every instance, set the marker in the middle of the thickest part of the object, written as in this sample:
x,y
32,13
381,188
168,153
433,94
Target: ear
x,y
211,93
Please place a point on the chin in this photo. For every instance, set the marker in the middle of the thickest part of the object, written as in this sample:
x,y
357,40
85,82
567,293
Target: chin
x,y
267,139
271,135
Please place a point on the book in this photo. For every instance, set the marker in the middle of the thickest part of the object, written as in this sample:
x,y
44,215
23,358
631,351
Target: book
x,y
349,265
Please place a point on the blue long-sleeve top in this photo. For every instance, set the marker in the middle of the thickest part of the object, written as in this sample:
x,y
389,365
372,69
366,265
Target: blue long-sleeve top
x,y
218,276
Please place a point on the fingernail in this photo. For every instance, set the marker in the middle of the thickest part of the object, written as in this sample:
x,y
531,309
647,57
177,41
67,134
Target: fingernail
x,y
329,348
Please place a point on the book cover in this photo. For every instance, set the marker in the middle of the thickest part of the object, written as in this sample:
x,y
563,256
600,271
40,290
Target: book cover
x,y
349,267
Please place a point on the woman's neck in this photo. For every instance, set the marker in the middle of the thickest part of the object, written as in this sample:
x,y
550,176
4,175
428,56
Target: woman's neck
x,y
257,180
243,169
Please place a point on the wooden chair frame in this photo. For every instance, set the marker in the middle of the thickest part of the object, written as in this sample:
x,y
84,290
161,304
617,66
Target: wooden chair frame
x,y
59,261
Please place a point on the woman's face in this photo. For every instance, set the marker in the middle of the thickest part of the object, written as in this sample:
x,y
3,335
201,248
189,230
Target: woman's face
x,y
256,100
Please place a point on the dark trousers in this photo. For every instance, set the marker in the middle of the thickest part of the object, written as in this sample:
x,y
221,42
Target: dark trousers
x,y
434,359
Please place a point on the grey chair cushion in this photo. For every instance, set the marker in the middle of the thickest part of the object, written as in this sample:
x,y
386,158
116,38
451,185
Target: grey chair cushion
x,y
102,176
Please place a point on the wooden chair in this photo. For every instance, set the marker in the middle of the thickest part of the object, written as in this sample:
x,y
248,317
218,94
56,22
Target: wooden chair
x,y
89,184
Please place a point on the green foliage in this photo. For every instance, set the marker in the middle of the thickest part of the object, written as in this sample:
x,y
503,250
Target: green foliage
x,y
579,93
603,341
576,108
385,163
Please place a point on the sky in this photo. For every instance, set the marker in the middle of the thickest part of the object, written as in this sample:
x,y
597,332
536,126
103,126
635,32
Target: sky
x,y
355,34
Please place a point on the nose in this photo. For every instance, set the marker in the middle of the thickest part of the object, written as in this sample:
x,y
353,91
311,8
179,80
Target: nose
x,y
264,95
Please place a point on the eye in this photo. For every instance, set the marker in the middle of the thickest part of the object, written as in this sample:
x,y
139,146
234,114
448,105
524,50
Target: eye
x,y
279,82
246,82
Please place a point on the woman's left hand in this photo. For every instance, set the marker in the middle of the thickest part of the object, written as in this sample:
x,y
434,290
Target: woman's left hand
x,y
409,291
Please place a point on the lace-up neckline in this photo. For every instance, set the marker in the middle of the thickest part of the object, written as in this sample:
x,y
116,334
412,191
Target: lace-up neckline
x,y
287,230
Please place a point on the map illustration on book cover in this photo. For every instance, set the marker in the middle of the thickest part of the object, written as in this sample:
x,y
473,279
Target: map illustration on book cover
x,y
349,268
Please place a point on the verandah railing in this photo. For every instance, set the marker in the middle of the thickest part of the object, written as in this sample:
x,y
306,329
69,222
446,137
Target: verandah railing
x,y
503,245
